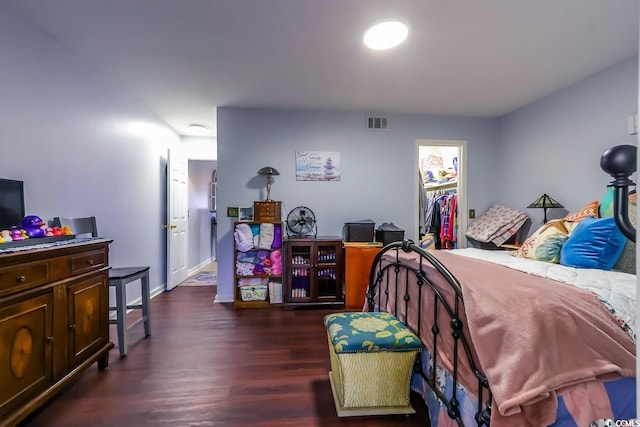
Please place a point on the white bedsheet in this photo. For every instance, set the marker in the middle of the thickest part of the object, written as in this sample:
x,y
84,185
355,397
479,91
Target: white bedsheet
x,y
616,288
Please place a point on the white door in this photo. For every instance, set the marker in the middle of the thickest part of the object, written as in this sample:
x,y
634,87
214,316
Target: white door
x,y
177,217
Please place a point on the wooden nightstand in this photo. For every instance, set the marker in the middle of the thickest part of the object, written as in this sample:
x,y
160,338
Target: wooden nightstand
x,y
358,259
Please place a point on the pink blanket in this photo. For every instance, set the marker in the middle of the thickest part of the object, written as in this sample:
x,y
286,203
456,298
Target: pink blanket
x,y
533,338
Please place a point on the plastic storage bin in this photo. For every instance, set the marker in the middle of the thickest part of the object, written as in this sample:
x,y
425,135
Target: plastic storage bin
x,y
253,293
388,233
359,231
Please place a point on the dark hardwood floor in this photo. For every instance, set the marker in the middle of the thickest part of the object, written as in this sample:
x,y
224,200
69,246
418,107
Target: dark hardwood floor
x,y
207,364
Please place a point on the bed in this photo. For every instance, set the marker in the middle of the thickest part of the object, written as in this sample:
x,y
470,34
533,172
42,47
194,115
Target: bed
x,y
514,341
482,353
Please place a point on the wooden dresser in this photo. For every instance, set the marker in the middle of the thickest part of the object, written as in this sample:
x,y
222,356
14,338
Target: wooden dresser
x,y
267,211
54,321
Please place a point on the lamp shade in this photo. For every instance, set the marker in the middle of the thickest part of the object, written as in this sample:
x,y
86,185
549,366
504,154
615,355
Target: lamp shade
x,y
268,170
545,201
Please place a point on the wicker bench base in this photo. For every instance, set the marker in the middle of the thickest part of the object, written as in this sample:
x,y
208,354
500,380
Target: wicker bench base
x,y
361,411
374,383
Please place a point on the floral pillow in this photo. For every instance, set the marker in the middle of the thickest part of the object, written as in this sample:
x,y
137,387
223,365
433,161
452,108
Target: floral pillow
x,y
546,243
355,332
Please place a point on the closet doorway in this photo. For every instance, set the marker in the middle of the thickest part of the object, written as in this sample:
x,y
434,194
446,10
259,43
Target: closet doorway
x,y
441,186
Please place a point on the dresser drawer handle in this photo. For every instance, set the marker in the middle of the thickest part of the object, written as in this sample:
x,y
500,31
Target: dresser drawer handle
x,y
90,261
22,278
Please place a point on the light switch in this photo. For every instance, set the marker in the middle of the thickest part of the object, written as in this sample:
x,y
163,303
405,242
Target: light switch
x,y
472,213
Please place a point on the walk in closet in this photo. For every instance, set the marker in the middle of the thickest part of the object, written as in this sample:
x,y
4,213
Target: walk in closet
x,y
439,168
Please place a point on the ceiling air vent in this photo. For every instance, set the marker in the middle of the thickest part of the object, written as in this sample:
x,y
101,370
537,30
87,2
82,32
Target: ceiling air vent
x,y
377,122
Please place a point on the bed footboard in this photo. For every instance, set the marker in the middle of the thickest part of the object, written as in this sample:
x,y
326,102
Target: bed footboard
x,y
434,313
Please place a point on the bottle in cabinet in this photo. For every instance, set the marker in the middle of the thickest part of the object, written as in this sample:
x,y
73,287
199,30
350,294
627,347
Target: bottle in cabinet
x,y
313,272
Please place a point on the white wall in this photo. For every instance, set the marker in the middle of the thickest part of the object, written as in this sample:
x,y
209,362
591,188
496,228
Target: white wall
x,y
554,145
379,167
82,146
200,147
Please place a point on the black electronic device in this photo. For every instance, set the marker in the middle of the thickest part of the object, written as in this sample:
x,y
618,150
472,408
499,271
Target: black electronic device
x,y
11,203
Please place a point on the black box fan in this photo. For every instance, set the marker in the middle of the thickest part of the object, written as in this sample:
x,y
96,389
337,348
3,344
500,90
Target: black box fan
x,y
301,222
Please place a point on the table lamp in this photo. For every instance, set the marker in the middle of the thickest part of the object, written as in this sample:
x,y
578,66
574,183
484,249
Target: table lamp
x,y
268,171
545,202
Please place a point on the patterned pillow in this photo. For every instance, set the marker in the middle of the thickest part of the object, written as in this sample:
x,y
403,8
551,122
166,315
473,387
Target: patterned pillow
x,y
591,210
546,243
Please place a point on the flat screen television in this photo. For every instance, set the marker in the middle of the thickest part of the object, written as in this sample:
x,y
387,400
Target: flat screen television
x,y
11,203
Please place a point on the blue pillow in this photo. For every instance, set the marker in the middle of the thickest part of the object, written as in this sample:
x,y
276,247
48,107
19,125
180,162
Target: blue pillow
x,y
594,243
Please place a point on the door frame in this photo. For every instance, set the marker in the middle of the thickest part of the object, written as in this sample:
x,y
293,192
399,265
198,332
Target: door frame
x,y
462,183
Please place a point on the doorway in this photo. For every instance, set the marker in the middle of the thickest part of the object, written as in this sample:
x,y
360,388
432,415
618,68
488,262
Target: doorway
x,y
442,195
200,251
202,247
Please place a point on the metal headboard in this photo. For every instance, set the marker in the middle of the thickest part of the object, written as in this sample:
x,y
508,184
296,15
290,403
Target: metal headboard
x,y
620,162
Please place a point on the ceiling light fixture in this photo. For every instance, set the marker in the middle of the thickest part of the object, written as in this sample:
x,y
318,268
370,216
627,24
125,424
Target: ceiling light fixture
x,y
385,35
199,130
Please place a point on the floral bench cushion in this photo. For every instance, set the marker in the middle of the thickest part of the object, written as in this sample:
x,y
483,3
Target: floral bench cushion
x,y
359,332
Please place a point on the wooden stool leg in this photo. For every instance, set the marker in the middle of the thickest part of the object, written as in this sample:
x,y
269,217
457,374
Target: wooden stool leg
x,y
146,312
121,312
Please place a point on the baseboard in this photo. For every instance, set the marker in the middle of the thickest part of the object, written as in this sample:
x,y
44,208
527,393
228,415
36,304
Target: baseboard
x,y
223,298
199,267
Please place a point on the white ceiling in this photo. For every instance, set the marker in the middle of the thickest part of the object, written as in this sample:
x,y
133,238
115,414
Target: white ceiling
x,y
184,58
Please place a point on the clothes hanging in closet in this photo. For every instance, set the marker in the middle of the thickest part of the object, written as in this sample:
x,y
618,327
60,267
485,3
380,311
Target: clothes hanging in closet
x,y
441,218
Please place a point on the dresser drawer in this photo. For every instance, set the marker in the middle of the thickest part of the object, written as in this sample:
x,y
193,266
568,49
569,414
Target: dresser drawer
x,y
88,261
24,275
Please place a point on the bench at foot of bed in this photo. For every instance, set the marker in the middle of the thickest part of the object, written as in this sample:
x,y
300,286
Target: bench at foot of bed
x,y
372,357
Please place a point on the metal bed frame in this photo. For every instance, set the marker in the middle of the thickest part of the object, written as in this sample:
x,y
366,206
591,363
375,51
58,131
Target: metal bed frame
x,y
621,162
383,284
